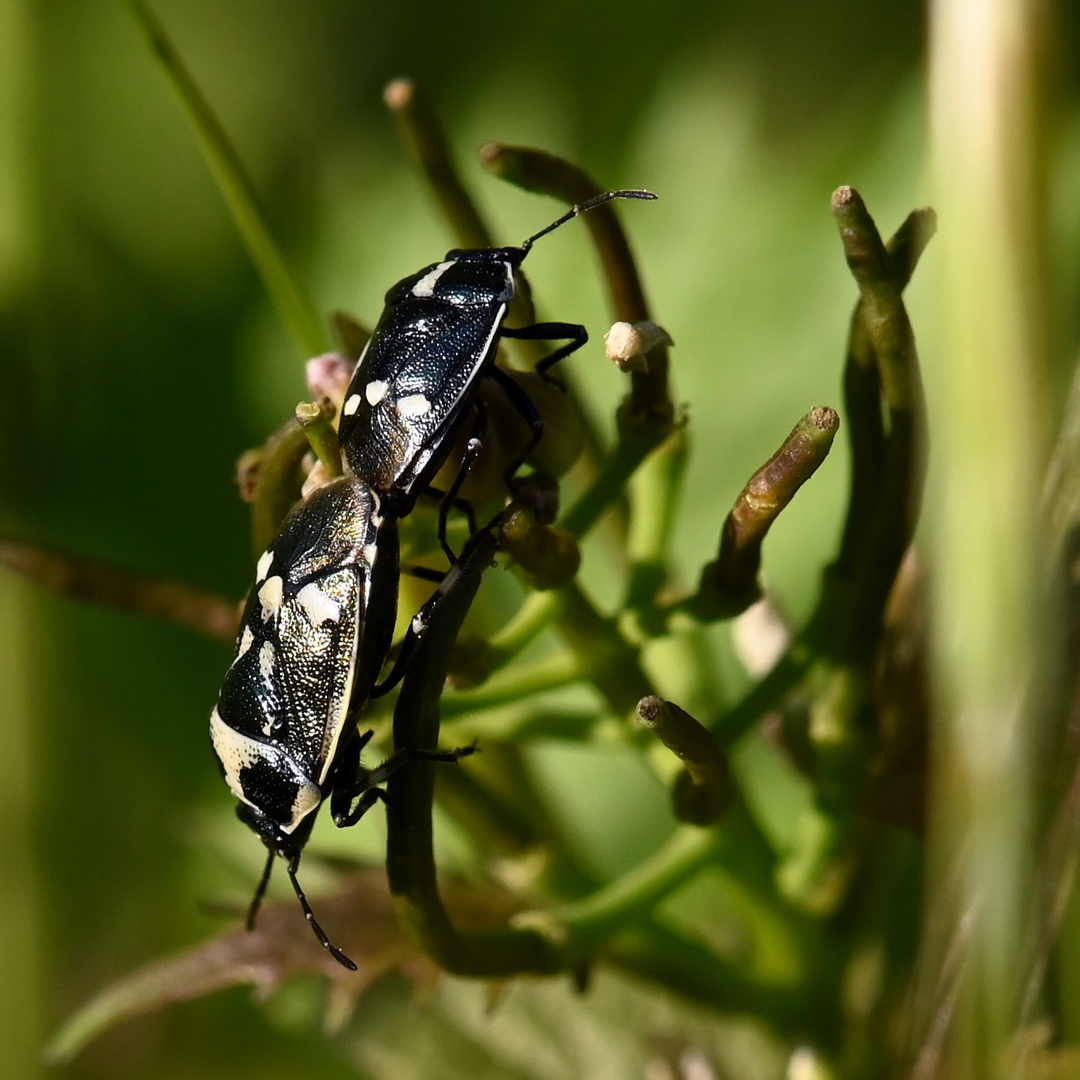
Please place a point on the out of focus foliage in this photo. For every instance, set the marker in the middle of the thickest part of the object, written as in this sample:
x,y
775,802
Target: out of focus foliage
x,y
139,357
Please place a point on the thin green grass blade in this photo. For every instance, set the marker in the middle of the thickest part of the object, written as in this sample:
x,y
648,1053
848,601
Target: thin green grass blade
x,y
295,308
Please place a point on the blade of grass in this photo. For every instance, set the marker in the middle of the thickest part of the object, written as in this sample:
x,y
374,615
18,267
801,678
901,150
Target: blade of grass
x,y
293,305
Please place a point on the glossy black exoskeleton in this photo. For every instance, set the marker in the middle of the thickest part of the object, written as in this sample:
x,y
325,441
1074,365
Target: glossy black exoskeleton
x,y
419,375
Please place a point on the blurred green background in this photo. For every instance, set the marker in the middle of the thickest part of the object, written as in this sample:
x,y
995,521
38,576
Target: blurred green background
x,y
139,357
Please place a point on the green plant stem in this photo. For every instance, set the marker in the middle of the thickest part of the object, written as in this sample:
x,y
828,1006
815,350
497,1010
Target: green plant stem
x,y
279,482
423,135
536,614
657,490
517,685
601,655
606,658
731,725
892,481
729,585
862,389
410,857
293,306
638,437
316,418
647,416
579,929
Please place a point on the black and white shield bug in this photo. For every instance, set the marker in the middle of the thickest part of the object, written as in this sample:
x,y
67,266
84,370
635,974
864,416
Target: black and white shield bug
x,y
315,632
420,372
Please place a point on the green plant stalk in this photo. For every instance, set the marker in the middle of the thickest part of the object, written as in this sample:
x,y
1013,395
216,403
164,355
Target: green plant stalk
x,y
423,135
536,614
279,482
766,695
638,437
293,306
316,418
849,617
513,686
536,170
410,856
862,390
888,524
730,584
991,630
606,658
657,490
647,416
571,933
579,929
601,655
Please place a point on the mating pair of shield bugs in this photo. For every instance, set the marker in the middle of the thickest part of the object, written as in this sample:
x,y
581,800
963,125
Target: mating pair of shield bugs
x,y
316,630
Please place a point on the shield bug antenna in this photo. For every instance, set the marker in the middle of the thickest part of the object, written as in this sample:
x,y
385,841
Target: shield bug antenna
x,y
588,204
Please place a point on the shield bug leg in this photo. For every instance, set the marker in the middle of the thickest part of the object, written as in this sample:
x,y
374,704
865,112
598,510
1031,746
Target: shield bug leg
x,y
576,334
526,408
352,780
424,573
419,624
450,499
450,757
333,950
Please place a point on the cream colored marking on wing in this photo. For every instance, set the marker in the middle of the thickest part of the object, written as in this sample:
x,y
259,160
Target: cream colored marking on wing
x,y
266,559
375,391
426,285
318,607
234,750
266,660
270,596
352,405
413,405
307,799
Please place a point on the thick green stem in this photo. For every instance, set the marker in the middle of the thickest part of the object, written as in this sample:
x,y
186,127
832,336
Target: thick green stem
x,y
729,584
316,418
423,134
279,482
410,856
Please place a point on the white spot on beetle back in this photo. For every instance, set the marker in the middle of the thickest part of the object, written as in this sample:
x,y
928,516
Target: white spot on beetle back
x,y
351,405
318,607
235,751
270,596
413,405
246,638
266,660
266,560
426,285
375,391
307,798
